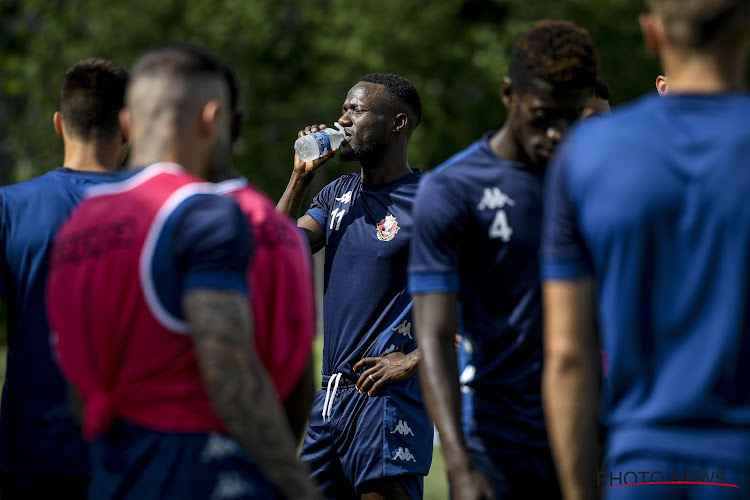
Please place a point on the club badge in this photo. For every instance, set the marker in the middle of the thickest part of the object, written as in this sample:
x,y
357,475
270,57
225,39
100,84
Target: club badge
x,y
387,228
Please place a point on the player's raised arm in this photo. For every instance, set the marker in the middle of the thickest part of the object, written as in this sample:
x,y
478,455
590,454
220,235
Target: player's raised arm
x,y
220,323
291,201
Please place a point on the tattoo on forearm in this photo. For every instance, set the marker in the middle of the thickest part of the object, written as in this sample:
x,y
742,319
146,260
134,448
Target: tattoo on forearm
x,y
240,389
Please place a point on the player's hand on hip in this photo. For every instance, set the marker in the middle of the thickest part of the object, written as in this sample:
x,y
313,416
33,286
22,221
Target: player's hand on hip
x,y
471,485
310,167
384,370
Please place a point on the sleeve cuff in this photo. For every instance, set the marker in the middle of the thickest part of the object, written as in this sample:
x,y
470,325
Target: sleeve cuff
x,y
565,269
433,282
318,216
216,281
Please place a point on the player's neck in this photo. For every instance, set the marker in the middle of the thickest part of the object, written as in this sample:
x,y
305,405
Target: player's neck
x,y
91,157
703,73
385,169
504,144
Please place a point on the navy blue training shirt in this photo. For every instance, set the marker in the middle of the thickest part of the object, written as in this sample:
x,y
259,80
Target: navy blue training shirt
x,y
653,202
366,310
37,432
477,220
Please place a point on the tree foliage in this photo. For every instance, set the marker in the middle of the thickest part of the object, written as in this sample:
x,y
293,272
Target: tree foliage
x,y
296,61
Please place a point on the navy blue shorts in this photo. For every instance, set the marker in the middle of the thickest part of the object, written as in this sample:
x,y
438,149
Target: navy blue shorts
x,y
528,475
691,478
368,438
131,462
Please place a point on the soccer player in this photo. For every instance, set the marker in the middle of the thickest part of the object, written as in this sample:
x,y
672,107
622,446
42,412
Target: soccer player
x,y
42,452
474,269
598,101
281,289
369,435
147,293
645,250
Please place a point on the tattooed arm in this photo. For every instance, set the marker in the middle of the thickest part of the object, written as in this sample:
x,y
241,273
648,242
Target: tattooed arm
x,y
242,394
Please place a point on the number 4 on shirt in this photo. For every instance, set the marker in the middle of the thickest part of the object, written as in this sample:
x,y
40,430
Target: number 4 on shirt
x,y
500,227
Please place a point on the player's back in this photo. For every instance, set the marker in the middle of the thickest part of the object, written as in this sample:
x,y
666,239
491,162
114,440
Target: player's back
x,y
666,220
37,432
280,278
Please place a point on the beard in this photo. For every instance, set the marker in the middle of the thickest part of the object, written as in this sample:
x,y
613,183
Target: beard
x,y
369,148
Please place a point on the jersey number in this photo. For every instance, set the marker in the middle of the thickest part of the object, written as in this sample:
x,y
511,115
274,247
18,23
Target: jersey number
x,y
337,214
500,227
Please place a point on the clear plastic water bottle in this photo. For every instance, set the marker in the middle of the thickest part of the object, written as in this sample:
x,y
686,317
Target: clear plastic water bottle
x,y
312,146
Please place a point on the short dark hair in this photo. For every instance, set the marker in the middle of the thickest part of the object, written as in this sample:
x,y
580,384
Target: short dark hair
x,y
400,88
557,52
601,89
695,24
91,96
178,58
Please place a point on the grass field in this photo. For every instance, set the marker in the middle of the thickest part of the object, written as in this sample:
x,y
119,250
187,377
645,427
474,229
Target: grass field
x,y
435,484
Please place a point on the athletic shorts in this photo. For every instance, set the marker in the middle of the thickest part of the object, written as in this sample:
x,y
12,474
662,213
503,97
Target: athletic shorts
x,y
530,474
366,439
131,462
689,478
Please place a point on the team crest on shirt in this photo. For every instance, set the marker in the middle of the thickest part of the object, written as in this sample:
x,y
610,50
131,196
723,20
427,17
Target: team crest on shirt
x,y
387,228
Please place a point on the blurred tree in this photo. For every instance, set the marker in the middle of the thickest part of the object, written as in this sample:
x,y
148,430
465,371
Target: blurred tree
x,y
296,61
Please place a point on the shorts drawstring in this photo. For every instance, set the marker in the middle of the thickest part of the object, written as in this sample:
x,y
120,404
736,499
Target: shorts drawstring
x,y
330,395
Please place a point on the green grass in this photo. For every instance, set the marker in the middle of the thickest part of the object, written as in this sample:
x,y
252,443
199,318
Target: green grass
x,y
436,483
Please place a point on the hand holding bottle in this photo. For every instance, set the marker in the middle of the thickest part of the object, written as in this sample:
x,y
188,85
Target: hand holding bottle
x,y
315,146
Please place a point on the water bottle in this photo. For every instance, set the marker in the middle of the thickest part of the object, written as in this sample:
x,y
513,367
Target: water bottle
x,y
312,146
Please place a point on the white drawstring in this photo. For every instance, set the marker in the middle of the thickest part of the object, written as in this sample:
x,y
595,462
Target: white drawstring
x,y
330,395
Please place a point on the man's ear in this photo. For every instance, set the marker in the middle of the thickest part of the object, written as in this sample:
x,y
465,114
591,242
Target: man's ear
x,y
126,124
507,92
661,84
209,119
400,123
57,123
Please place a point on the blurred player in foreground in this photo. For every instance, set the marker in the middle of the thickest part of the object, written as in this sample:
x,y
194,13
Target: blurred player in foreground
x,y
147,293
645,251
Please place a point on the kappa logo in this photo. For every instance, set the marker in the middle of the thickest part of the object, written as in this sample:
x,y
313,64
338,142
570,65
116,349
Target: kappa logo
x,y
402,428
493,199
230,485
404,328
391,349
387,228
404,454
218,447
345,198
468,374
